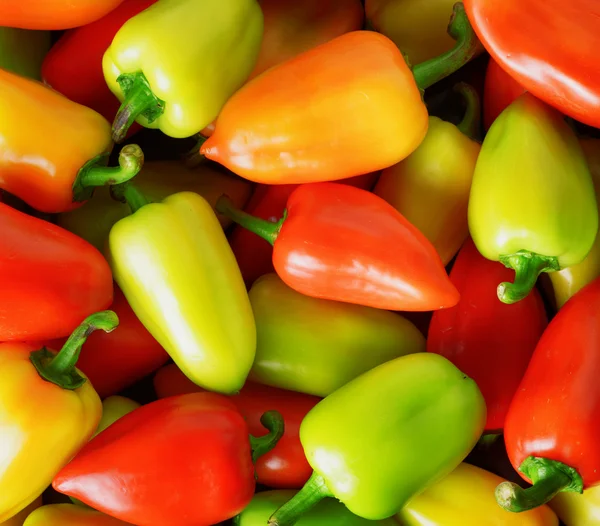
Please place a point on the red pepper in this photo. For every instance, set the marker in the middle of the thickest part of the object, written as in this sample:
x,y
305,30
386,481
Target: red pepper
x,y
73,66
50,279
550,47
499,92
346,244
183,461
552,429
488,340
286,465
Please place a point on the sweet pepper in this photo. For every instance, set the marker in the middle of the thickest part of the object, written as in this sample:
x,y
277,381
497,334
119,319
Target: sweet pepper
x,y
22,51
19,518
577,510
531,165
114,408
70,515
499,91
181,96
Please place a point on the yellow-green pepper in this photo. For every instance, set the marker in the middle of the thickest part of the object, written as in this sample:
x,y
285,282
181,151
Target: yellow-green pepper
x,y
576,509
70,515
532,203
175,64
113,408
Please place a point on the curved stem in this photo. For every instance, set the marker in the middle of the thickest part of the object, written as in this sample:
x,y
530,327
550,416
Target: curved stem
x,y
193,157
128,193
273,421
60,368
139,100
472,118
527,266
261,227
549,477
467,47
309,496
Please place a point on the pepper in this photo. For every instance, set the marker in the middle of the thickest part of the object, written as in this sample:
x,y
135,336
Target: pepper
x,y
499,91
532,165
283,467
172,261
35,447
468,334
51,279
385,436
466,496
70,515
418,29
577,510
22,51
563,72
360,75
74,65
316,346
157,180
557,450
180,97
322,248
57,14
437,176
114,408
328,511
20,517
54,150
196,445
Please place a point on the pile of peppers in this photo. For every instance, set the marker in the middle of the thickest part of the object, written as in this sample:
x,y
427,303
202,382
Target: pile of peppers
x,y
313,262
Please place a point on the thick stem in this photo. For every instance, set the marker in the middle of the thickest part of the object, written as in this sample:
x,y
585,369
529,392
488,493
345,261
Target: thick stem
x,y
265,229
129,194
527,266
194,158
467,47
139,101
549,477
472,118
309,496
273,421
95,172
59,368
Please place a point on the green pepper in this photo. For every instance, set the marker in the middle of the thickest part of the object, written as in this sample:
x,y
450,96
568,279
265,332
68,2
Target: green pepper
x,y
157,180
387,435
315,346
328,512
175,64
175,267
532,204
22,51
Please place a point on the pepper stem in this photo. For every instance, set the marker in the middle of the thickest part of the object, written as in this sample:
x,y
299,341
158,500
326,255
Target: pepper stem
x,y
139,101
549,477
469,125
129,194
261,227
95,172
309,496
273,421
193,158
59,368
527,266
466,48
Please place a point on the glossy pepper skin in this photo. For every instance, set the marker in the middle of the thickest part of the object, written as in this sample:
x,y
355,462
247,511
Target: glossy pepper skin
x,y
525,44
322,249
437,176
466,496
532,165
172,261
50,279
558,448
114,408
328,511
500,91
22,51
286,465
575,509
73,66
35,446
387,435
316,346
179,97
196,445
488,340
19,518
70,515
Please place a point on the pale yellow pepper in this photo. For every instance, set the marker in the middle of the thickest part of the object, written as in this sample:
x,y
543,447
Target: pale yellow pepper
x,y
578,510
20,517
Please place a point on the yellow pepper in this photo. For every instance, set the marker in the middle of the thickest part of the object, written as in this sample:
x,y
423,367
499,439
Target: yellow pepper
x,y
113,408
576,509
20,517
70,515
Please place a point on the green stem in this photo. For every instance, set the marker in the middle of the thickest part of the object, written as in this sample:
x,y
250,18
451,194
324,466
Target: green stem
x,y
95,172
549,477
59,368
466,48
273,421
261,227
472,118
139,101
309,496
527,266
193,158
128,193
